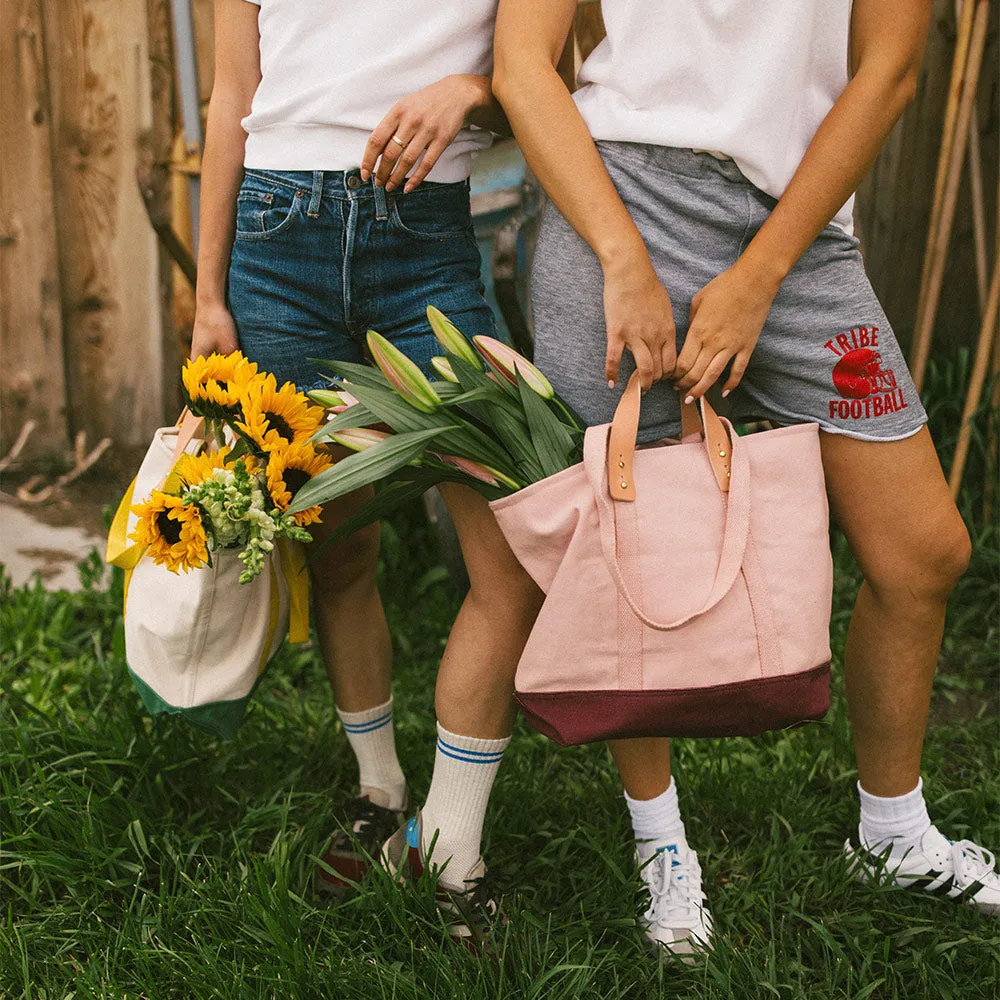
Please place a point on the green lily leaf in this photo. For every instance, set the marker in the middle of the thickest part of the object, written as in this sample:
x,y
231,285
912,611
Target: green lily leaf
x,y
357,415
461,439
354,373
363,468
552,439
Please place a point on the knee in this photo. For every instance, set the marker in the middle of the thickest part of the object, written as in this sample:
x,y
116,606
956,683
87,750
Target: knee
x,y
340,567
930,567
505,590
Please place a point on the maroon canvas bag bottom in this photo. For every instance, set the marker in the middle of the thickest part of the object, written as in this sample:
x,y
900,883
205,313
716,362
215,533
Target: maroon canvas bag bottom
x,y
747,708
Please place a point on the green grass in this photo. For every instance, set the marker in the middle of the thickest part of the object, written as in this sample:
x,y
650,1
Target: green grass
x,y
144,859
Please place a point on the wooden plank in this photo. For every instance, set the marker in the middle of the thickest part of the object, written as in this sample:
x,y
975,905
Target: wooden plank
x,y
156,172
108,256
32,383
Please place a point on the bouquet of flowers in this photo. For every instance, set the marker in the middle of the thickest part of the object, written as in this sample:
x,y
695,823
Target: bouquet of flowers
x,y
492,421
236,493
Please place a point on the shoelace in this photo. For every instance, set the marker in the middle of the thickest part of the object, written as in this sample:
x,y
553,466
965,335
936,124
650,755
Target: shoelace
x,y
675,887
363,814
971,861
483,893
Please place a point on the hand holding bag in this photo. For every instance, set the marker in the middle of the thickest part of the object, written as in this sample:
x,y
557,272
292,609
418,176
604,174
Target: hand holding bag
x,y
688,585
197,643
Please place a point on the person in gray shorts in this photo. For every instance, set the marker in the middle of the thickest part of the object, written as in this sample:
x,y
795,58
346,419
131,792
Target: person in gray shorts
x,y
702,181
826,353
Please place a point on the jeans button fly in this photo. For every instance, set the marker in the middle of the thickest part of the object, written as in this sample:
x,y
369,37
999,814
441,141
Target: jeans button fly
x,y
353,182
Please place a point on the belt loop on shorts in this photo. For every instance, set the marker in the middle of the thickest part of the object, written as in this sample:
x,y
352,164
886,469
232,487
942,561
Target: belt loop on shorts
x,y
381,207
317,194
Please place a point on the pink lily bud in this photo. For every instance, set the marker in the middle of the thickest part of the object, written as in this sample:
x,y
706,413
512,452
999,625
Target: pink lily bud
x,y
403,374
360,438
451,338
508,362
443,367
484,473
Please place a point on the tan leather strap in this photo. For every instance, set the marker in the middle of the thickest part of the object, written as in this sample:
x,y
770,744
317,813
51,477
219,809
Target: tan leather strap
x,y
625,427
621,441
189,427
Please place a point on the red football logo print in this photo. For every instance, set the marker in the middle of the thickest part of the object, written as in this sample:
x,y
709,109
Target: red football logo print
x,y
859,373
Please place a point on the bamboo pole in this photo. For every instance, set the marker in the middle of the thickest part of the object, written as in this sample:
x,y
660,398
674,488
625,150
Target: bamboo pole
x,y
978,199
987,335
964,18
992,457
978,214
942,235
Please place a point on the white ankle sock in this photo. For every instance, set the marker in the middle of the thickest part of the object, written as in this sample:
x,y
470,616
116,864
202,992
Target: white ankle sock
x,y
464,769
900,821
373,741
657,822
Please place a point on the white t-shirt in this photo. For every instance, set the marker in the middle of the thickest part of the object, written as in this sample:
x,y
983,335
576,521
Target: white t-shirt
x,y
332,69
751,79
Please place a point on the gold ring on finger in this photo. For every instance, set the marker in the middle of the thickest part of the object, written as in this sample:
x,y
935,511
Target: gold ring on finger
x,y
399,142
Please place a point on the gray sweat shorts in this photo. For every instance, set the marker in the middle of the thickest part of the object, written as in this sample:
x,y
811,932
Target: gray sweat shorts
x,y
826,354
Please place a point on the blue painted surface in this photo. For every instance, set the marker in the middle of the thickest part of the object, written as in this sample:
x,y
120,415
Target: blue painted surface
x,y
499,168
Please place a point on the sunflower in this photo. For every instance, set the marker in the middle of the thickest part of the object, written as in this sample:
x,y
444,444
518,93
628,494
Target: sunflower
x,y
289,468
273,417
214,386
173,532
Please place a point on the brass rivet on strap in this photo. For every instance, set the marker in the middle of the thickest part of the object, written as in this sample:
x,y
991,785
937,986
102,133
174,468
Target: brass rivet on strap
x,y
722,454
624,485
621,465
728,474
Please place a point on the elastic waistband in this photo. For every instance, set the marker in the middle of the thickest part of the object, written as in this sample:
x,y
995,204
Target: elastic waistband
x,y
674,160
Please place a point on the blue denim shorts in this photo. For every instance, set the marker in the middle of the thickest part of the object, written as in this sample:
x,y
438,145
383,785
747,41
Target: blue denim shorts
x,y
319,258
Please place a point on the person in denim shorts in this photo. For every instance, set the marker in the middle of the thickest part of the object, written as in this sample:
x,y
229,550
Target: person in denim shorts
x,y
335,199
702,182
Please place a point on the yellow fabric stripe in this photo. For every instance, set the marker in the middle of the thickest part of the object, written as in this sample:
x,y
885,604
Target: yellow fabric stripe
x,y
293,565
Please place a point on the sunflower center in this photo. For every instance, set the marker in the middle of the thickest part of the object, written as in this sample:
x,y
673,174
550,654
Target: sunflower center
x,y
278,423
223,384
295,479
168,528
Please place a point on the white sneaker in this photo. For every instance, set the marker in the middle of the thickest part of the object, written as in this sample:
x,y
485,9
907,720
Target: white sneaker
x,y
961,871
676,919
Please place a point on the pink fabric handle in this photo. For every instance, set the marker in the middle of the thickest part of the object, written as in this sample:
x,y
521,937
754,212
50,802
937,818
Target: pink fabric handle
x,y
736,531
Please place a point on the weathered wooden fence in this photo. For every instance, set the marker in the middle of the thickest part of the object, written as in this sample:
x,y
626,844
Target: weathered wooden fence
x,y
94,319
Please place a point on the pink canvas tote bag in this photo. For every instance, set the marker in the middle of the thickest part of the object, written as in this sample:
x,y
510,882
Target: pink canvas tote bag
x,y
688,585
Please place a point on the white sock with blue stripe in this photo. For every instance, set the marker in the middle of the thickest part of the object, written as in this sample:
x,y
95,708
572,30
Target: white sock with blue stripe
x,y
464,769
373,741
657,823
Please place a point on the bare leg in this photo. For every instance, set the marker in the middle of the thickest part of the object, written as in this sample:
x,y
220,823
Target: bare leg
x,y
644,765
475,684
348,610
893,504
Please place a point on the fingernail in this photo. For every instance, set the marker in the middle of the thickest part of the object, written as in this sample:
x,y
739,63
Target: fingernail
x,y
688,400
725,392
365,174
407,189
390,186
611,384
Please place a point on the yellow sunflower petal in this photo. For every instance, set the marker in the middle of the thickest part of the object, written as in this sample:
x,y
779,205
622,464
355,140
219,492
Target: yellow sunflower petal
x,y
172,532
273,417
289,468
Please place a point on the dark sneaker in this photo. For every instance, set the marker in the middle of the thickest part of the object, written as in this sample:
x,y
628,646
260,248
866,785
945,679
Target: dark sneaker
x,y
960,871
354,846
472,914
